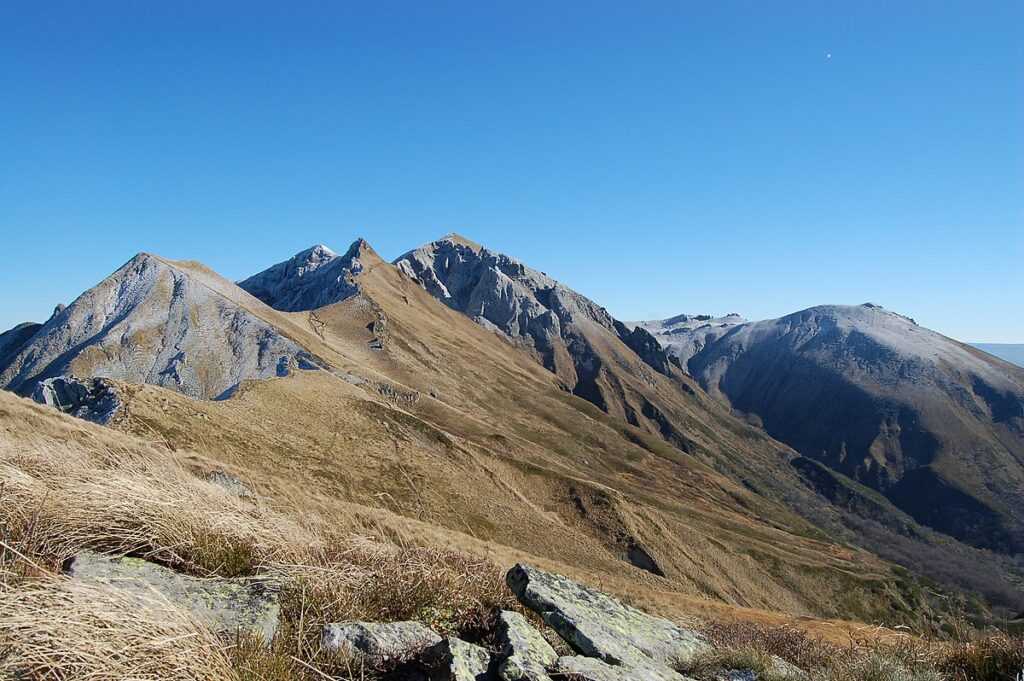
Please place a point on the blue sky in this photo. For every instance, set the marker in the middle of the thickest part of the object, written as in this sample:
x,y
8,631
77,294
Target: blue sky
x,y
660,157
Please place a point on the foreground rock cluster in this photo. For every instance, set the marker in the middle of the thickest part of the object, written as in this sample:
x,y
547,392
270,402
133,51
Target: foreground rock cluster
x,y
612,641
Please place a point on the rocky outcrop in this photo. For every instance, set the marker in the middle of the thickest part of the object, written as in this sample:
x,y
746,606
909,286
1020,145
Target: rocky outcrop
x,y
223,605
95,400
309,280
172,324
462,661
501,293
571,335
600,626
934,425
592,669
373,643
12,340
527,656
232,484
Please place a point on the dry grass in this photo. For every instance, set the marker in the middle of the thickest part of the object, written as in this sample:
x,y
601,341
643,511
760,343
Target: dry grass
x,y
894,657
63,493
57,628
60,497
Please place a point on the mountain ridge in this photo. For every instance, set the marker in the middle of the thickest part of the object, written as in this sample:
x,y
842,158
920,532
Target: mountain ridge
x,y
882,400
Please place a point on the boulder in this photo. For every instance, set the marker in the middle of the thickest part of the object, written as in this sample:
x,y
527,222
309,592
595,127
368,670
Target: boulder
x,y
376,642
464,661
593,669
232,484
247,604
93,400
598,625
780,669
526,655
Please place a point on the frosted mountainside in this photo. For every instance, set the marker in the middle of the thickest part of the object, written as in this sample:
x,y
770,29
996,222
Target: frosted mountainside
x,y
683,336
12,340
934,424
166,323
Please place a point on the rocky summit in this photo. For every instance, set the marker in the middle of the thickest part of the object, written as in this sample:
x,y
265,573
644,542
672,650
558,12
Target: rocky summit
x,y
501,293
309,280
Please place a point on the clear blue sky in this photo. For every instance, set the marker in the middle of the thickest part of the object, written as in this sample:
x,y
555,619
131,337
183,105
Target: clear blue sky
x,y
660,157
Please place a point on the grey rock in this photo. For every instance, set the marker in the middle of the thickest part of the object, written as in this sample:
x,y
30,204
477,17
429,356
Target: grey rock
x,y
526,655
465,661
377,642
173,324
232,484
503,294
593,669
309,280
224,605
12,340
598,625
778,669
94,400
786,670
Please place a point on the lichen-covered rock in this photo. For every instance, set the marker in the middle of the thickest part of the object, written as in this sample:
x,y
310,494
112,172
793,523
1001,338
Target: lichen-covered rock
x,y
464,661
376,642
598,625
780,669
527,656
225,605
593,669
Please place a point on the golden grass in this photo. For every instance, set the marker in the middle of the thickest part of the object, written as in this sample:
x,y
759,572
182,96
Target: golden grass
x,y
67,486
870,656
57,628
67,497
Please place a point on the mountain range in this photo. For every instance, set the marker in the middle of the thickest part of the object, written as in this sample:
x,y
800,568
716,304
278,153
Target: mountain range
x,y
838,462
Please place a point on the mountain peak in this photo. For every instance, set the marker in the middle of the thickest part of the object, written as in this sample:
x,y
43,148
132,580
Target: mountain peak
x,y
156,322
311,279
460,240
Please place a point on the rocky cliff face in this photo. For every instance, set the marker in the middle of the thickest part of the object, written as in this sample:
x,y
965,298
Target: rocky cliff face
x,y
171,324
13,340
933,424
499,292
309,280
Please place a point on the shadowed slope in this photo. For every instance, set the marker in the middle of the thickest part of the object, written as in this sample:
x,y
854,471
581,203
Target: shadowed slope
x,y
934,424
